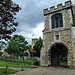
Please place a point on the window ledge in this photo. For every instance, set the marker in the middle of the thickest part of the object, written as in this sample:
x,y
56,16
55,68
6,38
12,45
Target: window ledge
x,y
57,29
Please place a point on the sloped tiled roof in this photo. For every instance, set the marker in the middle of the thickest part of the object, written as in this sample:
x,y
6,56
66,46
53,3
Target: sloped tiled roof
x,y
32,51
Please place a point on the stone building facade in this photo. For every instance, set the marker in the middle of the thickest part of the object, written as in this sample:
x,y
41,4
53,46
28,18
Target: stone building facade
x,y
58,34
34,41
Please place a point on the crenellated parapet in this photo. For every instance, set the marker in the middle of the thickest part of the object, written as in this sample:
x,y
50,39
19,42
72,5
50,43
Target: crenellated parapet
x,y
59,7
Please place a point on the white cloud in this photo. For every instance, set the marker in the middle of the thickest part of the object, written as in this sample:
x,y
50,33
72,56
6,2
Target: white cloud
x,y
38,31
31,19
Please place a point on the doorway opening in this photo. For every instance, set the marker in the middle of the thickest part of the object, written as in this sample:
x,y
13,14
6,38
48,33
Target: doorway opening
x,y
59,55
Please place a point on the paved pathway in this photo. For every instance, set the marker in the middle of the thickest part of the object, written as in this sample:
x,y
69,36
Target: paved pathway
x,y
47,71
16,68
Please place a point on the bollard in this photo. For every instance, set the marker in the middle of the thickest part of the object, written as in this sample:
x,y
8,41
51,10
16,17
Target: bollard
x,y
22,67
6,68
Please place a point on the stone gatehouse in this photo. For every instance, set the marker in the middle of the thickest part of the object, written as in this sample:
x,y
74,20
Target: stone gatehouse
x,y
58,35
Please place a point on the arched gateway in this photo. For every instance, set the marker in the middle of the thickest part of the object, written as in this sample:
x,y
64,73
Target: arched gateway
x,y
58,36
58,53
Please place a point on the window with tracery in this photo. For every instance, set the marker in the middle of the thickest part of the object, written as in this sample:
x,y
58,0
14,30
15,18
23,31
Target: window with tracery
x,y
57,20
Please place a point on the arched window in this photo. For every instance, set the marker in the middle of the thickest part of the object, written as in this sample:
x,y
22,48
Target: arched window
x,y
57,20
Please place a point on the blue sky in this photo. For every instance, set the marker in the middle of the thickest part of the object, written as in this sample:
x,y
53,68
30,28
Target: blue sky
x,y
31,19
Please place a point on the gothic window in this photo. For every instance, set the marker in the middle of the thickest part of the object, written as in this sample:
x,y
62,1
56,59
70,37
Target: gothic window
x,y
57,20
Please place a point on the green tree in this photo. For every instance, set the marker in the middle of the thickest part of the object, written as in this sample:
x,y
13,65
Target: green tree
x,y
8,25
28,46
17,45
2,45
37,46
1,53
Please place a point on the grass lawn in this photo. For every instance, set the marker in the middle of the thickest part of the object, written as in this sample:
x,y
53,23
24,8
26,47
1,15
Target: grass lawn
x,y
19,61
3,71
13,65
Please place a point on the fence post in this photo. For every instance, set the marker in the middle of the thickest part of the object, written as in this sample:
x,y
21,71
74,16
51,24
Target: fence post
x,y
6,68
22,67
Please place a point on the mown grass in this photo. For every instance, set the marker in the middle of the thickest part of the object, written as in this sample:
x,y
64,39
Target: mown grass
x,y
13,65
19,61
3,71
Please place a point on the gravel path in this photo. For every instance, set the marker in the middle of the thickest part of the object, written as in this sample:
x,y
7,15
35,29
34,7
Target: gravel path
x,y
47,71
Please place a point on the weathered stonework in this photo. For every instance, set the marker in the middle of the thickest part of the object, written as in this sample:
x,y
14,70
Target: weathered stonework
x,y
65,33
34,41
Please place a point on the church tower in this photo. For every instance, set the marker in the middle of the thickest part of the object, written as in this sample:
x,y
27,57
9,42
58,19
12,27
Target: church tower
x,y
58,35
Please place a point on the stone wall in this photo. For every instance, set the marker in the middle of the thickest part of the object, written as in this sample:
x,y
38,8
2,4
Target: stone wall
x,y
65,33
33,42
